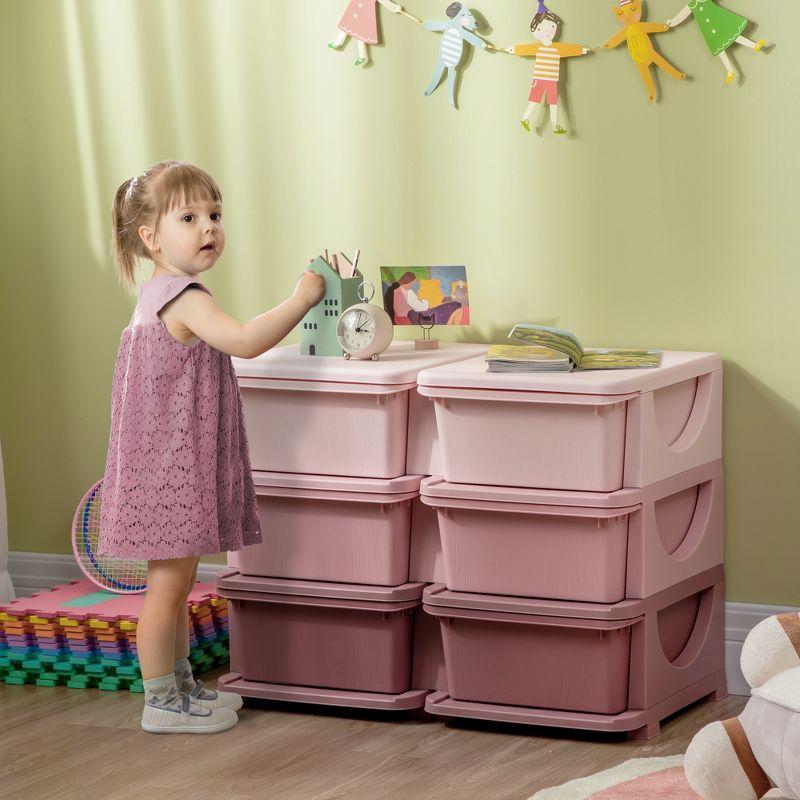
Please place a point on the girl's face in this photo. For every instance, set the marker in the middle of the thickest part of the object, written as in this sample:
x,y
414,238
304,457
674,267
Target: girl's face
x,y
190,238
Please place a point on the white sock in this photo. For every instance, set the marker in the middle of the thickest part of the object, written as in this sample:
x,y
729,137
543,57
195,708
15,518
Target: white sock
x,y
185,680
162,692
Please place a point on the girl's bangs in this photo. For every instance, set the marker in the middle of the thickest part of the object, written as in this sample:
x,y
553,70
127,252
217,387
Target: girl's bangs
x,y
185,183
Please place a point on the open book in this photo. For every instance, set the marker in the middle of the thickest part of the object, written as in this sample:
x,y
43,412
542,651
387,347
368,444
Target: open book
x,y
567,350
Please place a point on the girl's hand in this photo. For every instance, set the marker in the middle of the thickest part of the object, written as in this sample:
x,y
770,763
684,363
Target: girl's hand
x,y
310,288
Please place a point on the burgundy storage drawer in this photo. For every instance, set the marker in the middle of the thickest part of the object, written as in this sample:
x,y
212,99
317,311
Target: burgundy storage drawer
x,y
303,633
622,666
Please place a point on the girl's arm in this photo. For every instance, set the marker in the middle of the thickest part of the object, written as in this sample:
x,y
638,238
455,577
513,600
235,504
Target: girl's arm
x,y
680,17
392,6
199,313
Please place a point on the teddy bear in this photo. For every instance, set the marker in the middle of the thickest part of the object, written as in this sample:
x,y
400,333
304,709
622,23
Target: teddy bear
x,y
746,757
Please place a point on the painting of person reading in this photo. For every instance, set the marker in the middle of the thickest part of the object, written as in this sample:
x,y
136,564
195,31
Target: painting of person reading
x,y
426,295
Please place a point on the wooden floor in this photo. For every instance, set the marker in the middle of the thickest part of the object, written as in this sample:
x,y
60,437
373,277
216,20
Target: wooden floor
x,y
77,743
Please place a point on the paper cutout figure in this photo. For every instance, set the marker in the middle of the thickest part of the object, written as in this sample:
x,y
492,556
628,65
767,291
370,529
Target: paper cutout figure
x,y
721,29
642,52
547,67
455,31
360,20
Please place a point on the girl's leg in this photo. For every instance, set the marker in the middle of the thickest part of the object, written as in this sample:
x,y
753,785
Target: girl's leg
x,y
155,631
725,58
338,41
362,53
554,115
750,43
531,108
182,621
527,116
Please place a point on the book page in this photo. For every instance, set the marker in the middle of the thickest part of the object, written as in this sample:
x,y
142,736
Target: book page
x,y
620,359
553,338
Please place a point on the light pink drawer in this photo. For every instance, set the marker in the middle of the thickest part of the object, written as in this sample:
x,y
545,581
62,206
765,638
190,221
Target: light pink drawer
x,y
326,429
327,528
583,546
593,659
329,416
577,431
302,633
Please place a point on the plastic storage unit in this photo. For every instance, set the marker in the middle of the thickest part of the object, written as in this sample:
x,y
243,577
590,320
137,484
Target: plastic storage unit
x,y
581,523
332,416
338,449
323,643
616,667
593,547
593,431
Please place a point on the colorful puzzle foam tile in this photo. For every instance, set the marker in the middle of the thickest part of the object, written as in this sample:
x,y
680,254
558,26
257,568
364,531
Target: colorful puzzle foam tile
x,y
80,600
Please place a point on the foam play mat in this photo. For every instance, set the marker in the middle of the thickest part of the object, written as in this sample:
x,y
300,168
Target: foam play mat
x,y
79,636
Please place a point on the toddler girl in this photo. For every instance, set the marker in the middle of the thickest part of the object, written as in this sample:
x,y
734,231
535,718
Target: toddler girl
x,y
177,481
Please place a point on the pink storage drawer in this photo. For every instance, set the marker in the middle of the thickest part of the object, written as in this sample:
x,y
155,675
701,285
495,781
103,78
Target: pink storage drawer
x,y
581,431
581,546
622,666
331,416
326,528
310,634
426,562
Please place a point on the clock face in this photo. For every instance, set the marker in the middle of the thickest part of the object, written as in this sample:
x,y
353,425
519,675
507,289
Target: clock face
x,y
356,329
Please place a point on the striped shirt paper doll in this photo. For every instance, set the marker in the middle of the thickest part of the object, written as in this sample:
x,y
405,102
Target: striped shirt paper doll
x,y
547,66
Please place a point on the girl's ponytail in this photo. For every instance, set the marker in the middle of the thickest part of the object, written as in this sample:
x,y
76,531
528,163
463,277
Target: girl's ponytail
x,y
124,234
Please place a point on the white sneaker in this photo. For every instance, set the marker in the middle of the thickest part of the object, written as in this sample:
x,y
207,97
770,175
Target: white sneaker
x,y
219,700
190,718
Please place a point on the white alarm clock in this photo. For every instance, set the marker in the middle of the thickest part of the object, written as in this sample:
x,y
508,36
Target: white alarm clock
x,y
364,330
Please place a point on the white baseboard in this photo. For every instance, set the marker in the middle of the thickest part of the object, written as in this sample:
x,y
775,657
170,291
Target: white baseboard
x,y
33,572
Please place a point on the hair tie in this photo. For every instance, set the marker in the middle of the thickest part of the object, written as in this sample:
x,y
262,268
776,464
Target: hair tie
x,y
542,7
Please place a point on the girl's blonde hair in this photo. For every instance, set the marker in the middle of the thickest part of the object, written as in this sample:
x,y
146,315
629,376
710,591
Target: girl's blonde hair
x,y
143,199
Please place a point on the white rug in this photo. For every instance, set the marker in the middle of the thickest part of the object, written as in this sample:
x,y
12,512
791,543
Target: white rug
x,y
631,773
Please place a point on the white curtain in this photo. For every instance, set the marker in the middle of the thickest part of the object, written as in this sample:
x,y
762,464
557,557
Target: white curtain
x,y
6,589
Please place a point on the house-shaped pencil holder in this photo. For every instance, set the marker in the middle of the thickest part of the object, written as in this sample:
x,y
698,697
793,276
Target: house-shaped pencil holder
x,y
318,328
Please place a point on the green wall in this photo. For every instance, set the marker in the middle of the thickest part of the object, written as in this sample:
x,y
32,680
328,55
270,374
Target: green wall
x,y
670,226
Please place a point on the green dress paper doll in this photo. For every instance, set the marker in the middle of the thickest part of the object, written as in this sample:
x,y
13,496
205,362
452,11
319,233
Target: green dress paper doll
x,y
720,27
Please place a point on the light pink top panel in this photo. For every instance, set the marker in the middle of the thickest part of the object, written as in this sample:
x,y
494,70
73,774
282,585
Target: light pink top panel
x,y
401,363
676,366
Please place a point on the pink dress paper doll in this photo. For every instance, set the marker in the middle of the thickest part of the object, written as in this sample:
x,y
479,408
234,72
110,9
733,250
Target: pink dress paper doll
x,y
360,20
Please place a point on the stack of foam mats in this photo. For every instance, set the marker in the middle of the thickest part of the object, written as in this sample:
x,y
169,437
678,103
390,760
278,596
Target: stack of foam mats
x,y
77,635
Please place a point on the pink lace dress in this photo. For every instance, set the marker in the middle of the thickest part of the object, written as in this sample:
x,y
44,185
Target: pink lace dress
x,y
177,480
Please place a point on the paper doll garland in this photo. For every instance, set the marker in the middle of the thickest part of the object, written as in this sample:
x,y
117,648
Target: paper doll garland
x,y
720,28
